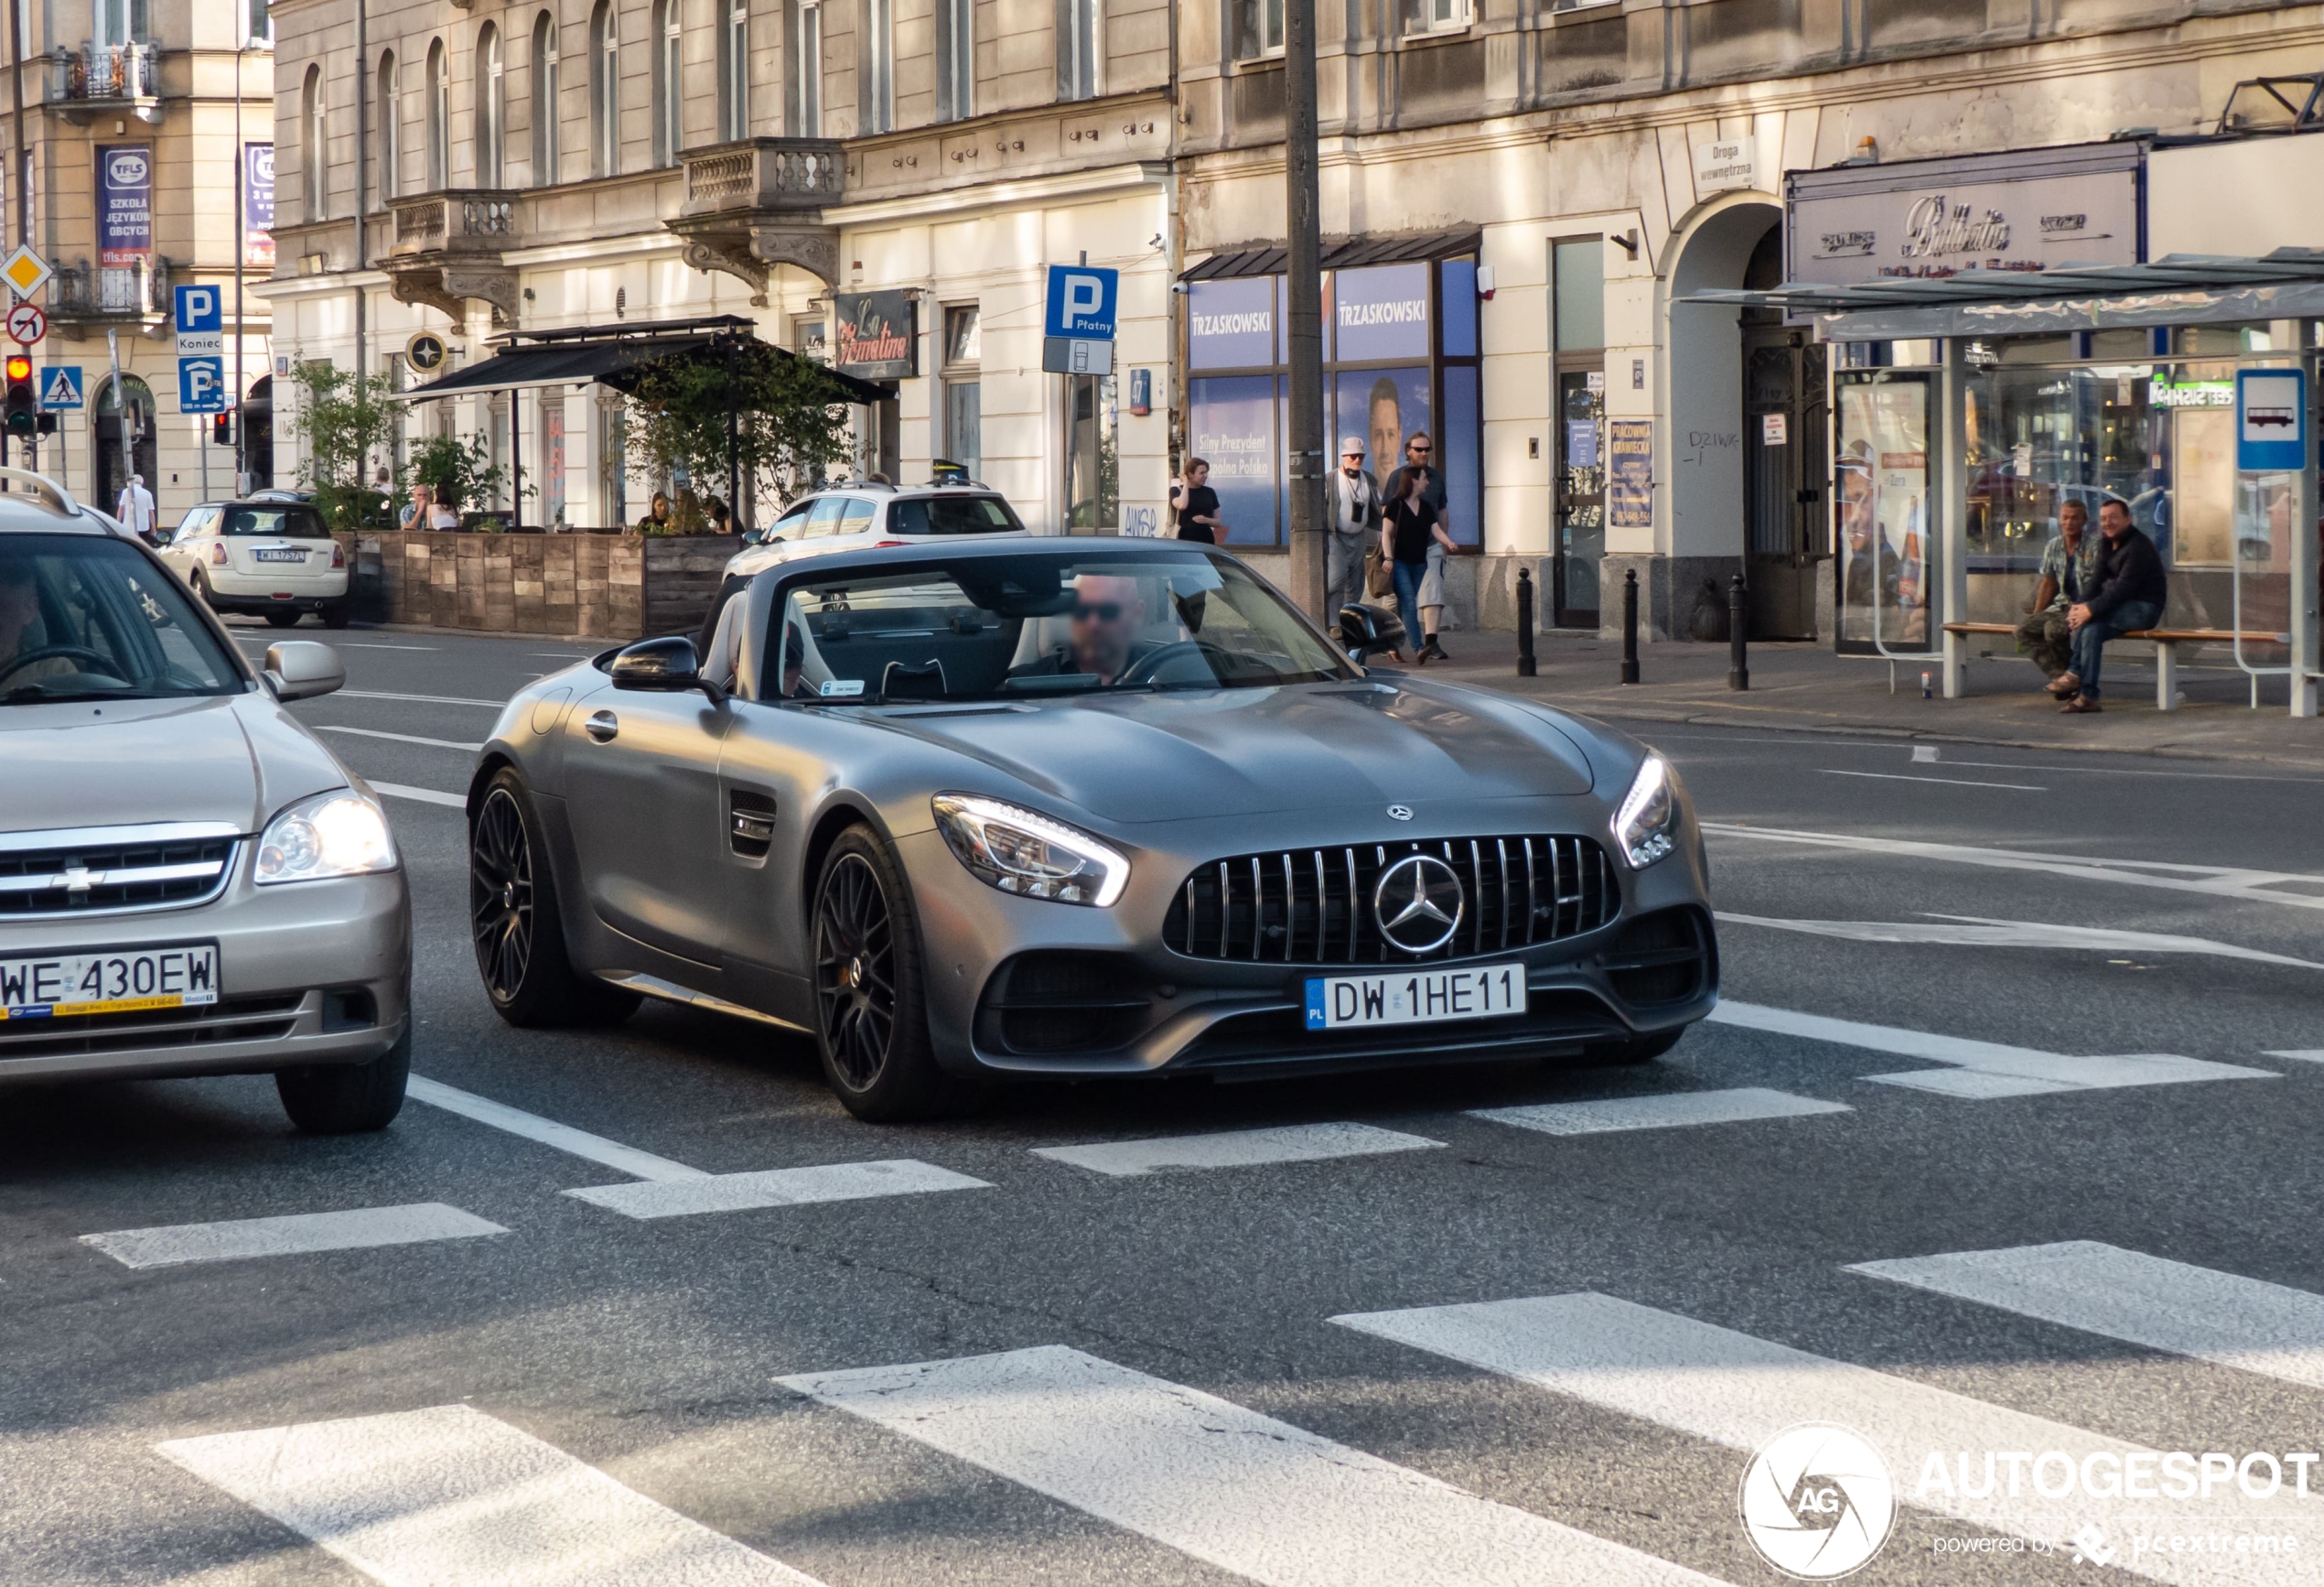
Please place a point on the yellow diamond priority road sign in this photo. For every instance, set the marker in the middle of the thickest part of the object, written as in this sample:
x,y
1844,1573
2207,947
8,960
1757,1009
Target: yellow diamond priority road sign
x,y
26,271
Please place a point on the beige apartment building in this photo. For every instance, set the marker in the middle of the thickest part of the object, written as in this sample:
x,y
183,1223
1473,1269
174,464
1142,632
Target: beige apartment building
x,y
843,174
147,129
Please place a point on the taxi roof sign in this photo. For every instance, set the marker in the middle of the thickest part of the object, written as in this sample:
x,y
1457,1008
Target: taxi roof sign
x,y
25,271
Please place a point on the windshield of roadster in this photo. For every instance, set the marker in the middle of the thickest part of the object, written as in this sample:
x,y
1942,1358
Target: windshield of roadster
x,y
1023,627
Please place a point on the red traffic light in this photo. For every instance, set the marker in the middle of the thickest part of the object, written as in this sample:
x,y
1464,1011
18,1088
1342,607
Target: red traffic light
x,y
20,368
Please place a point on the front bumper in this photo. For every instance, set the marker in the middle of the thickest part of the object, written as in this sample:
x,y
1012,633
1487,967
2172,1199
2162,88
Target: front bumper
x,y
1019,986
310,973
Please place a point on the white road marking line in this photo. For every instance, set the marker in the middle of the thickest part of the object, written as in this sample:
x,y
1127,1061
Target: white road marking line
x,y
365,644
236,1238
1951,781
1738,1391
2215,881
1677,1109
2133,771
396,738
1240,1491
2303,1055
418,795
422,699
778,1187
1236,1149
1924,754
1978,931
1995,1070
451,1497
549,1133
2246,1323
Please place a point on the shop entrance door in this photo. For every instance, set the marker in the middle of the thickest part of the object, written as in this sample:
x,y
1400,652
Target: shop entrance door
x,y
1581,495
1783,479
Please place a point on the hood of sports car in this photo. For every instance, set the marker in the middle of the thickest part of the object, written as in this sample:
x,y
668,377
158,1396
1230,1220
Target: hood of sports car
x,y
1168,756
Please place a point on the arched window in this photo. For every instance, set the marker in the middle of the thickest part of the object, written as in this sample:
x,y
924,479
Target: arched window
x,y
311,158
544,101
391,137
806,65
733,69
604,92
668,134
439,120
491,107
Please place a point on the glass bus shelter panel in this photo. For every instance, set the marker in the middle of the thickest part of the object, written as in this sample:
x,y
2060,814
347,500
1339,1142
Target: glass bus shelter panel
x,y
1890,564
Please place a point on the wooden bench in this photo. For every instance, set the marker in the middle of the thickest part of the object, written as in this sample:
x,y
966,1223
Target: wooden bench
x,y
2166,641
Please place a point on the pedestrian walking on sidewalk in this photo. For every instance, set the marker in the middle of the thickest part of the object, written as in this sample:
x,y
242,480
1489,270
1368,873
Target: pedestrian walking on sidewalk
x,y
1355,514
1410,529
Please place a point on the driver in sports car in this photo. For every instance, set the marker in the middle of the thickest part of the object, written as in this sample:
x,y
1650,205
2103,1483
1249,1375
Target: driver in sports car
x,y
1108,610
19,623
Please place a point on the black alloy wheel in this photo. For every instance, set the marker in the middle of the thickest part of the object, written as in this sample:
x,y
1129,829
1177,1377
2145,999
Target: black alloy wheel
x,y
871,1022
513,917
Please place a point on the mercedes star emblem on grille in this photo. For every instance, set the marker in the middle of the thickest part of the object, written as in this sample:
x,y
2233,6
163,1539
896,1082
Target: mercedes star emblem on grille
x,y
1399,812
1418,903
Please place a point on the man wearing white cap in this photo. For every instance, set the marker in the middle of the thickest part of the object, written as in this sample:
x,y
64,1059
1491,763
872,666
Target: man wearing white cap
x,y
1355,518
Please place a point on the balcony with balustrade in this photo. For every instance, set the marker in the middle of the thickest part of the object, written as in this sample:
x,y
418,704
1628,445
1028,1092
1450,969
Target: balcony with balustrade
x,y
98,79
85,296
444,249
753,204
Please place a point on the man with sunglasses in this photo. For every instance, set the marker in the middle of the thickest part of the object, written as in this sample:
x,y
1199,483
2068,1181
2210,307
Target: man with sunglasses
x,y
1102,633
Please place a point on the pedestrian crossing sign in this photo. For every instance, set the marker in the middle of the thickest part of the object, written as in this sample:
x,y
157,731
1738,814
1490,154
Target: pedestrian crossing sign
x,y
61,388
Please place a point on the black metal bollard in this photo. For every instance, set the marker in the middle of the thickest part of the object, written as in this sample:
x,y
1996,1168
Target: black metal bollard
x,y
1630,626
1738,665
1525,665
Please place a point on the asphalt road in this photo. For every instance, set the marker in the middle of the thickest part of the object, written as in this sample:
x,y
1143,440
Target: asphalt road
x,y
1186,1376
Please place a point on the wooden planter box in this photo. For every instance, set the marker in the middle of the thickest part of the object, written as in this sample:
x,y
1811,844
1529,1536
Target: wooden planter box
x,y
620,587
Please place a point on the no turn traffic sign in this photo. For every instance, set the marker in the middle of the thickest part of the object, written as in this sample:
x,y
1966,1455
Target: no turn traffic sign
x,y
27,324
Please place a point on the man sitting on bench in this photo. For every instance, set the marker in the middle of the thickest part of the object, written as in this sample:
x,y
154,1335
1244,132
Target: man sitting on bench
x,y
2126,593
2066,564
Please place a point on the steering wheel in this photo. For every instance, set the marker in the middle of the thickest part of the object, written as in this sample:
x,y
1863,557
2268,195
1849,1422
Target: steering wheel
x,y
1142,670
104,663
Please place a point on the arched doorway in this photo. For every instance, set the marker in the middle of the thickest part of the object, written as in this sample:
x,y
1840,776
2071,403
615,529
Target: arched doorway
x,y
1710,436
128,403
258,434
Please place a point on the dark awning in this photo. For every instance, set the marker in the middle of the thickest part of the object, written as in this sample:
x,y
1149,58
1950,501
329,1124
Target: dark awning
x,y
1340,253
606,355
2179,289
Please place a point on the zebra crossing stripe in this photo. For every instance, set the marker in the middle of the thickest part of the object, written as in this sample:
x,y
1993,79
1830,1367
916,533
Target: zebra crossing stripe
x,y
1236,1149
779,1187
295,1233
1673,1110
1236,1489
1731,1388
452,1498
2246,1323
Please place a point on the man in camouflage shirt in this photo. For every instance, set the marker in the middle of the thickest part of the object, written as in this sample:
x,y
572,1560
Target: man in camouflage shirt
x,y
2068,564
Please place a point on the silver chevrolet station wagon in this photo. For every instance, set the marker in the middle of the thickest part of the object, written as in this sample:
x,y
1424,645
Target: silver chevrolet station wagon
x,y
190,883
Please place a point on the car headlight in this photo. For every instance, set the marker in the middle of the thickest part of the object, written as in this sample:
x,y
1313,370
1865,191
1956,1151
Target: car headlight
x,y
1023,852
1641,826
337,834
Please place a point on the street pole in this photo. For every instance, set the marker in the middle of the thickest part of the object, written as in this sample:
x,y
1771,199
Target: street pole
x,y
123,407
15,79
242,242
1303,202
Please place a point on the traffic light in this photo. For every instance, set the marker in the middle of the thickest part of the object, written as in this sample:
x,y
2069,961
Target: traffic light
x,y
23,408
222,429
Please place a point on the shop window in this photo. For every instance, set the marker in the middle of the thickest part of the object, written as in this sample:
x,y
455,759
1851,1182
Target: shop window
x,y
1577,309
1258,32
1435,16
1093,464
963,440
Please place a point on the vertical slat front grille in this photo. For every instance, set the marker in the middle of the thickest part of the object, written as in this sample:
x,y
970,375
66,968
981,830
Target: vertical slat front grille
x,y
1313,906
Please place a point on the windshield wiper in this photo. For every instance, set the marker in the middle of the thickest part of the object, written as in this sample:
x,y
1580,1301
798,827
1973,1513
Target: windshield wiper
x,y
41,694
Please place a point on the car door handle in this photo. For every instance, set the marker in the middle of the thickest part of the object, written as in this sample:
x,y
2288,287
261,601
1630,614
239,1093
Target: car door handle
x,y
602,727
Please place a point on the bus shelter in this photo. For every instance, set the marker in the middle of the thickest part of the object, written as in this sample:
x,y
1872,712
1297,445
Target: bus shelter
x,y
1967,410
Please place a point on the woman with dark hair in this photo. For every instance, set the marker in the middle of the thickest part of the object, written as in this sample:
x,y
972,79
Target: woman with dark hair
x,y
1409,528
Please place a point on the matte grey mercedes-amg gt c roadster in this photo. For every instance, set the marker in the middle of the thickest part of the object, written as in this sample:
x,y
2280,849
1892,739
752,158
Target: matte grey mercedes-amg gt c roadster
x,y
1077,807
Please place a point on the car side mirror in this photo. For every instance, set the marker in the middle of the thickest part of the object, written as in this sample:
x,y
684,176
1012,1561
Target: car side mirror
x,y
753,536
1364,629
669,665
299,669
164,536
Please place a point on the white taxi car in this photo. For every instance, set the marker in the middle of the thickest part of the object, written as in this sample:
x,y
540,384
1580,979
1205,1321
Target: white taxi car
x,y
270,560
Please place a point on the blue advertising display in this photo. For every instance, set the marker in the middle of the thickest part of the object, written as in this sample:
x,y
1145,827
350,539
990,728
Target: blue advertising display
x,y
201,386
60,388
124,204
1382,314
1231,324
1231,426
2271,420
1081,302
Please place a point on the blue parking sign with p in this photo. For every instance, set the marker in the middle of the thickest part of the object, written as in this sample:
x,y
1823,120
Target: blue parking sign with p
x,y
201,386
1081,302
59,389
200,308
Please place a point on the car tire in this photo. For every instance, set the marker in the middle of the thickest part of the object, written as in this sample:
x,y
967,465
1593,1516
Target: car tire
x,y
282,619
1637,1049
348,1098
336,614
518,935
201,590
871,1010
